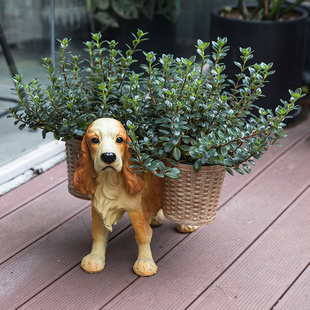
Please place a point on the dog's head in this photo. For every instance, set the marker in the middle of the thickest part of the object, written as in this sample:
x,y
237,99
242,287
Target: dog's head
x,y
105,149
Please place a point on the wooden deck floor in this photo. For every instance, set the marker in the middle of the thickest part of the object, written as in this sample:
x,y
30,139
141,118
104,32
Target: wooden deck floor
x,y
255,255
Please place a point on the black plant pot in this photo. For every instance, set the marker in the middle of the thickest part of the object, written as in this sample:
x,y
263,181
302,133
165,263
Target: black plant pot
x,y
306,73
281,42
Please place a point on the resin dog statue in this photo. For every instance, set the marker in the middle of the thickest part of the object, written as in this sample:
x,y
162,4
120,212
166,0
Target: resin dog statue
x,y
103,173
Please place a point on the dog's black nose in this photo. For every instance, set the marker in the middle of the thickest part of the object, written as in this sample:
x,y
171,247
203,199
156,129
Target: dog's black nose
x,y
108,158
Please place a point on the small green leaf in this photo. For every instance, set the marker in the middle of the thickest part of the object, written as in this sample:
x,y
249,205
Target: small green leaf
x,y
175,140
21,127
172,175
252,162
165,132
197,165
257,156
185,139
134,166
238,170
246,168
204,159
161,175
194,154
185,148
168,147
176,154
224,151
175,170
229,171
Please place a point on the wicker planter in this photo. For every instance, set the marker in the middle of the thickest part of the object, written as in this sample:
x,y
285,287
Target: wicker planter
x,y
73,149
192,199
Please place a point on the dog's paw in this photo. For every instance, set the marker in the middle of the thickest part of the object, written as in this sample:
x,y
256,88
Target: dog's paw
x,y
185,228
144,267
158,219
93,263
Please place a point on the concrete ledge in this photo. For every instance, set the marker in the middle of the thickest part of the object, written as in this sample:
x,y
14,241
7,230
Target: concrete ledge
x,y
30,165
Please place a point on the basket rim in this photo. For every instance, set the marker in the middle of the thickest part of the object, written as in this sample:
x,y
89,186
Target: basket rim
x,y
189,166
73,141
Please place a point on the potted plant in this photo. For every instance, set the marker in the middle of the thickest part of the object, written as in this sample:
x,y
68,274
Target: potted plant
x,y
176,111
276,31
306,72
189,112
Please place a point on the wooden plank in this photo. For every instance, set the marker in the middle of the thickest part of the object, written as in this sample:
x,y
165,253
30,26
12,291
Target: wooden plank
x,y
79,290
298,296
203,256
30,271
36,218
190,264
32,189
266,270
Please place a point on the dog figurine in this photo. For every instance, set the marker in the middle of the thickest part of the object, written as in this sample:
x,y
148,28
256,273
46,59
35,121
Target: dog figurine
x,y
103,173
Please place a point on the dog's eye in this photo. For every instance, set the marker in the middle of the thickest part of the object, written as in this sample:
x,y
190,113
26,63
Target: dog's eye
x,y
95,140
119,140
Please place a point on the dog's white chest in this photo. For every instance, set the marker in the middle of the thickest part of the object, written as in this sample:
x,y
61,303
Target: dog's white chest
x,y
110,199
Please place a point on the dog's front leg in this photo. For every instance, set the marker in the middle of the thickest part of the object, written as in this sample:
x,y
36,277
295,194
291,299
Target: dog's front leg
x,y
95,261
144,265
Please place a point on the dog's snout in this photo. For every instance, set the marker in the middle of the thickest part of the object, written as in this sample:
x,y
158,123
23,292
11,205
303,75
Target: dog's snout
x,y
108,158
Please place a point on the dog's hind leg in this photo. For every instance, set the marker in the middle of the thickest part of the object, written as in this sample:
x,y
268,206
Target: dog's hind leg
x,y
158,219
95,261
144,265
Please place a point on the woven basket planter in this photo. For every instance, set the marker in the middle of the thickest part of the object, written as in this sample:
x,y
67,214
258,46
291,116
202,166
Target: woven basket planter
x,y
73,149
192,198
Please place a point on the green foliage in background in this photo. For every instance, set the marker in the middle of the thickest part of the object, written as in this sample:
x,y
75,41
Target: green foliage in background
x,y
267,9
108,12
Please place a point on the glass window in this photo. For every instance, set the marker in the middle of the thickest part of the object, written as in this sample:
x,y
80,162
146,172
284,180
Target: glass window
x,y
27,40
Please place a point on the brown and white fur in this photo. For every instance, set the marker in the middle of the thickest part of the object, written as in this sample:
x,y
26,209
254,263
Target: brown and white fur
x,y
103,173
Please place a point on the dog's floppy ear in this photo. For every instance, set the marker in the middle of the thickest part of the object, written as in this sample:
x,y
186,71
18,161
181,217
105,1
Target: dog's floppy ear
x,y
132,181
85,174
